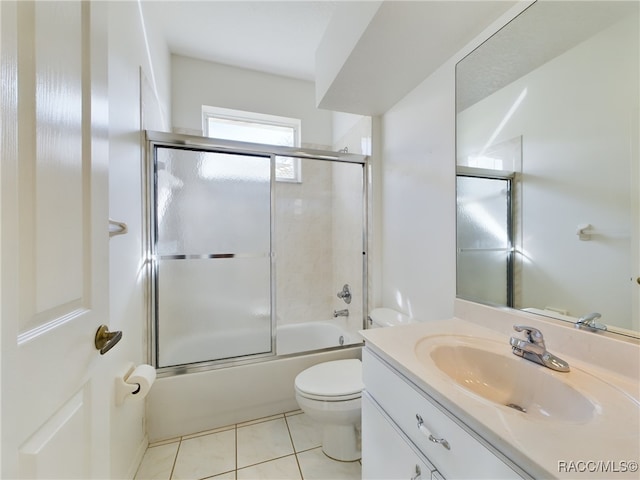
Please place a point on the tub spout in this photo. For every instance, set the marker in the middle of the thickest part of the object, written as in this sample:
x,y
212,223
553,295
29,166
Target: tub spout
x,y
341,313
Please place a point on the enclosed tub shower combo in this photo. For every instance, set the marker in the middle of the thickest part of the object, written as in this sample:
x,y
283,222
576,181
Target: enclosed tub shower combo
x,y
256,254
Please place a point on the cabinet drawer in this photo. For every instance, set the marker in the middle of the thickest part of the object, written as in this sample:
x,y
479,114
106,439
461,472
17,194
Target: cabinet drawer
x,y
386,454
466,457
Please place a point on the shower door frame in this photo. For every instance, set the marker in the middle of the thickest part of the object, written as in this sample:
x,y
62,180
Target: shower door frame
x,y
156,139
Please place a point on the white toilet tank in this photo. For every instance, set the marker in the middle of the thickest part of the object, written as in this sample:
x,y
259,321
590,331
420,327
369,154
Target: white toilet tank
x,y
387,317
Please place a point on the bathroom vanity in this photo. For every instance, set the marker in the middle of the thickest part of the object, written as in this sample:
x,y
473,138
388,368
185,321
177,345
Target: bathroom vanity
x,y
448,399
406,433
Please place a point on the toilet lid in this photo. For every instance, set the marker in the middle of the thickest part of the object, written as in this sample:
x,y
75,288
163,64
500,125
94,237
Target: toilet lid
x,y
331,379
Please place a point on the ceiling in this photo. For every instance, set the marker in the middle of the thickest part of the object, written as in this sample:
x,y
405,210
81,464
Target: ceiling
x,y
378,50
277,37
403,44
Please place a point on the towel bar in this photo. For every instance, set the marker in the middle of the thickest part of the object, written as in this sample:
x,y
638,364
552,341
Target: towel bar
x,y
117,228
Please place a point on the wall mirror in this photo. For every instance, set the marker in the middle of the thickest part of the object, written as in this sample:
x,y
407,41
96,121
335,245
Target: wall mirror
x,y
547,164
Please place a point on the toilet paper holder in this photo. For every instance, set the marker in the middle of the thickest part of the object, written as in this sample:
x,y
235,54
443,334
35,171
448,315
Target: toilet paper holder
x,y
124,388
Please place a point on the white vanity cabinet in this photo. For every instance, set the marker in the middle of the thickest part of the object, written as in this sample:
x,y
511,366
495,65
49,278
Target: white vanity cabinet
x,y
390,455
405,435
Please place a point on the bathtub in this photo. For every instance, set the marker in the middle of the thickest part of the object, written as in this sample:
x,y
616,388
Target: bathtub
x,y
304,337
195,402
291,338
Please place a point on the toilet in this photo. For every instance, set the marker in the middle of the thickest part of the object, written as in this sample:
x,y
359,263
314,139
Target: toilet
x,y
330,394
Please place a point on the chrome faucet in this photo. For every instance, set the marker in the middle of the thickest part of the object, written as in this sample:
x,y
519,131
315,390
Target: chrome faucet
x,y
588,322
341,313
532,348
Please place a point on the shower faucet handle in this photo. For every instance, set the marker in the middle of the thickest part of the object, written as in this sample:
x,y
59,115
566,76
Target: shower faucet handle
x,y
345,294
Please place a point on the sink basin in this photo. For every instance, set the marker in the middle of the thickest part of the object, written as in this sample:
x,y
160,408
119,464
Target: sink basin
x,y
489,370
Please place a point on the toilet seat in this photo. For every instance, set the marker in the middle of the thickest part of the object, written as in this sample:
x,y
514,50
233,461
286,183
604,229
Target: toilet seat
x,y
334,381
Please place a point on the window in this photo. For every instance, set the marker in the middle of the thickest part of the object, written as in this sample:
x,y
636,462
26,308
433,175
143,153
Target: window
x,y
254,127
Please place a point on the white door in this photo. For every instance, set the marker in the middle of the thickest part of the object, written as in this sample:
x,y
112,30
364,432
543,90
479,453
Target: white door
x,y
54,247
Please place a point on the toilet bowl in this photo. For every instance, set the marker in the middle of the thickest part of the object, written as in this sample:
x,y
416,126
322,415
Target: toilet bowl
x,y
330,394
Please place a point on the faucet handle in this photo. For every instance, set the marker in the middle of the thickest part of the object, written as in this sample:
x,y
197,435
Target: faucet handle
x,y
345,294
589,322
533,335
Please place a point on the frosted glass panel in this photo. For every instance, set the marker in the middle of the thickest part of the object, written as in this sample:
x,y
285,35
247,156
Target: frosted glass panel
x,y
482,276
484,244
212,203
213,255
319,238
482,213
213,309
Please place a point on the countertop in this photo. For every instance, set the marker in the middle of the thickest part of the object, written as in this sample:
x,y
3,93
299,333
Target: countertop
x,y
607,445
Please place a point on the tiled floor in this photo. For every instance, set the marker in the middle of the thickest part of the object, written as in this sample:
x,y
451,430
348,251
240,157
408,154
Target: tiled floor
x,y
282,447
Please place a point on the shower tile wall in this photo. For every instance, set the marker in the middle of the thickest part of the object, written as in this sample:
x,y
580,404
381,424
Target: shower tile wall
x,y
303,229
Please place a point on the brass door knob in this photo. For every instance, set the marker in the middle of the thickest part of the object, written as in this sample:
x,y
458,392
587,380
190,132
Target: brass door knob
x,y
106,340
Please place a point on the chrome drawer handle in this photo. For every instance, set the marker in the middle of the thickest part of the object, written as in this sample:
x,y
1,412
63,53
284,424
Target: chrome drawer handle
x,y
425,431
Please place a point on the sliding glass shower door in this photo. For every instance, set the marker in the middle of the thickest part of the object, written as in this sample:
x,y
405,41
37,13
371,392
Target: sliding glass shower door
x,y
212,258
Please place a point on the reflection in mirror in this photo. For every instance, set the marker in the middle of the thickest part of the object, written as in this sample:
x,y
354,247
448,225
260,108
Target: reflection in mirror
x,y
484,238
550,105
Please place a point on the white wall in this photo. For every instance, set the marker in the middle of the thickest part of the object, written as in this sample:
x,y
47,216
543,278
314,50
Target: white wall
x,y
348,129
127,53
575,170
418,195
196,83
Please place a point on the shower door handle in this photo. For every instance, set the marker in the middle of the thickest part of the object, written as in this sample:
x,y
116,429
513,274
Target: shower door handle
x,y
106,340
